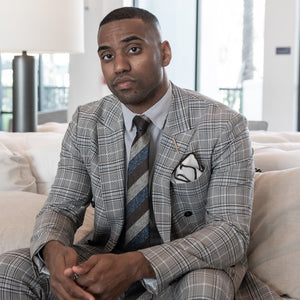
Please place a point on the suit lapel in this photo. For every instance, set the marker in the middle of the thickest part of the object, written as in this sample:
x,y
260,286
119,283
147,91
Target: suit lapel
x,y
173,146
112,167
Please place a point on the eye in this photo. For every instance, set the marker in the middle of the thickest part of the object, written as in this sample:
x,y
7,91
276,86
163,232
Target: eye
x,y
107,56
134,50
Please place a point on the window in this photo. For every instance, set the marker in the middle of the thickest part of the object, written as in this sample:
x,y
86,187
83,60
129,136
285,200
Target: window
x,y
5,90
178,23
217,48
232,45
53,84
54,81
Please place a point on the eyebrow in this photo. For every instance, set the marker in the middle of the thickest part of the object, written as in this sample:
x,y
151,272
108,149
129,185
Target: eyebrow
x,y
131,38
126,40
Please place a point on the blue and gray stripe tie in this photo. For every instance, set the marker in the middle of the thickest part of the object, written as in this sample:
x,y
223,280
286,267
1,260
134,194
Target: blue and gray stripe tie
x,y
137,198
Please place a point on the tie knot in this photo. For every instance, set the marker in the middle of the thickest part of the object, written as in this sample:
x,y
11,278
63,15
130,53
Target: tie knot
x,y
141,123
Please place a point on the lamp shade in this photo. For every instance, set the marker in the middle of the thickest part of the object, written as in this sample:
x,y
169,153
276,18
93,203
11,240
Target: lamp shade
x,y
42,26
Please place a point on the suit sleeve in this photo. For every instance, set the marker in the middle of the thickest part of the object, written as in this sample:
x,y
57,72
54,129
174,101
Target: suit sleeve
x,y
70,194
223,240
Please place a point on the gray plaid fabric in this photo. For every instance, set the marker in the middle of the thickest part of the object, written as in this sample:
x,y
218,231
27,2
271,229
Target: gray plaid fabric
x,y
20,281
203,224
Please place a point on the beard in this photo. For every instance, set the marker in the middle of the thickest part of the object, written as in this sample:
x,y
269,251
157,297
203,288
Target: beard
x,y
136,94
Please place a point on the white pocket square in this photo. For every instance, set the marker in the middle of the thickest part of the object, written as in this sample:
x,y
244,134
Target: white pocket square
x,y
187,170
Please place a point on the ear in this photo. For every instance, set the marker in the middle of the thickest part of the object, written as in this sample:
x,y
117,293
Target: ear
x,y
166,53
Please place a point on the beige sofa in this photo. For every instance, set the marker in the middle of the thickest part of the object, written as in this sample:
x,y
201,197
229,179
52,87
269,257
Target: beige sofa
x,y
28,163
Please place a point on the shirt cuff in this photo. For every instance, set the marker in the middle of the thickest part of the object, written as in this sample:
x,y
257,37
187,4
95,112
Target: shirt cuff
x,y
40,264
150,285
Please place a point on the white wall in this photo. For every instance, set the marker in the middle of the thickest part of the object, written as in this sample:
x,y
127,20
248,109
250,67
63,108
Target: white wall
x,y
281,71
86,81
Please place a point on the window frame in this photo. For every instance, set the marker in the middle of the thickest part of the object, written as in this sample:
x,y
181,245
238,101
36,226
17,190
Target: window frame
x,y
41,93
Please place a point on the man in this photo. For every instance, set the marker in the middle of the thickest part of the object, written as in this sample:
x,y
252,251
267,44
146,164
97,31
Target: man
x,y
200,176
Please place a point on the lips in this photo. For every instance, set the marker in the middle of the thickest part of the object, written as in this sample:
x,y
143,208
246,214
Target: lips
x,y
123,82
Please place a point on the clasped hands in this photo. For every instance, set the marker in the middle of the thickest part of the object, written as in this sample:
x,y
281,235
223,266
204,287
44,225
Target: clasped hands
x,y
102,276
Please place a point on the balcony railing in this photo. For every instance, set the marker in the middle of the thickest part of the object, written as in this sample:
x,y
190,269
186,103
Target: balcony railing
x,y
52,98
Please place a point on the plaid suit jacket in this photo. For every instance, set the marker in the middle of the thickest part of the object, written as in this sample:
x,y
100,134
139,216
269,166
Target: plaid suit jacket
x,y
215,232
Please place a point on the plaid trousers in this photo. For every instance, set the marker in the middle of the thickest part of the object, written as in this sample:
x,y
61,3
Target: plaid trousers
x,y
19,280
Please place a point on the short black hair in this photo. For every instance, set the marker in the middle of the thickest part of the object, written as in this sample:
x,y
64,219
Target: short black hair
x,y
130,13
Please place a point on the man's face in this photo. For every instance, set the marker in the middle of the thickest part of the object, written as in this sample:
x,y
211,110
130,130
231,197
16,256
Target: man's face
x,y
133,60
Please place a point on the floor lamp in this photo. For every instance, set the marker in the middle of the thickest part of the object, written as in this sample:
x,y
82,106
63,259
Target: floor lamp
x,y
36,26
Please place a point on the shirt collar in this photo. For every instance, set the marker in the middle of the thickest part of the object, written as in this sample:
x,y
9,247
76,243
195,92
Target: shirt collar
x,y
156,113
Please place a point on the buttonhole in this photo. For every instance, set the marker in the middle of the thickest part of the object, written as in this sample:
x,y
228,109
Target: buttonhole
x,y
188,213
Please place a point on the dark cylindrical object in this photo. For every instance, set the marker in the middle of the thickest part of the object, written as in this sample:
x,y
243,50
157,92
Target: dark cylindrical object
x,y
24,94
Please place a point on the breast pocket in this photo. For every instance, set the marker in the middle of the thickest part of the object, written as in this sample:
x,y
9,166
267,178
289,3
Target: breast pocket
x,y
188,205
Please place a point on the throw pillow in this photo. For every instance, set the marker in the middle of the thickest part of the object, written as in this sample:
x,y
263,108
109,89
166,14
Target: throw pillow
x,y
43,156
41,149
15,172
274,250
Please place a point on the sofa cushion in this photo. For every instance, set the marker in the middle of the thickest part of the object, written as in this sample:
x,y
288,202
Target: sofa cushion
x,y
276,156
15,172
17,215
53,127
275,137
274,251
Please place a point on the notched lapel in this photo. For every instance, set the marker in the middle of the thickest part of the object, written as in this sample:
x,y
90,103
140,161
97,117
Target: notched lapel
x,y
112,174
172,150
174,145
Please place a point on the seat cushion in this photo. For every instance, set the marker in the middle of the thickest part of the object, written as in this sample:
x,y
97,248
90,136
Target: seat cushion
x,y
17,218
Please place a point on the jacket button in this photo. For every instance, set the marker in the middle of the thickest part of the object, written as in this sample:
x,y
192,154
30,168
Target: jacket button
x,y
188,213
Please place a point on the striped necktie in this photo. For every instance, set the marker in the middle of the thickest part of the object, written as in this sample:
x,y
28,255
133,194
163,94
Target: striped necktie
x,y
137,198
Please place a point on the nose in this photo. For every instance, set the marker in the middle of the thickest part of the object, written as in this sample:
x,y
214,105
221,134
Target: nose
x,y
121,64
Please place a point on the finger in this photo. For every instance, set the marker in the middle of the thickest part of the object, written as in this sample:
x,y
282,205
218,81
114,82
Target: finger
x,y
80,292
86,266
69,272
70,290
66,287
